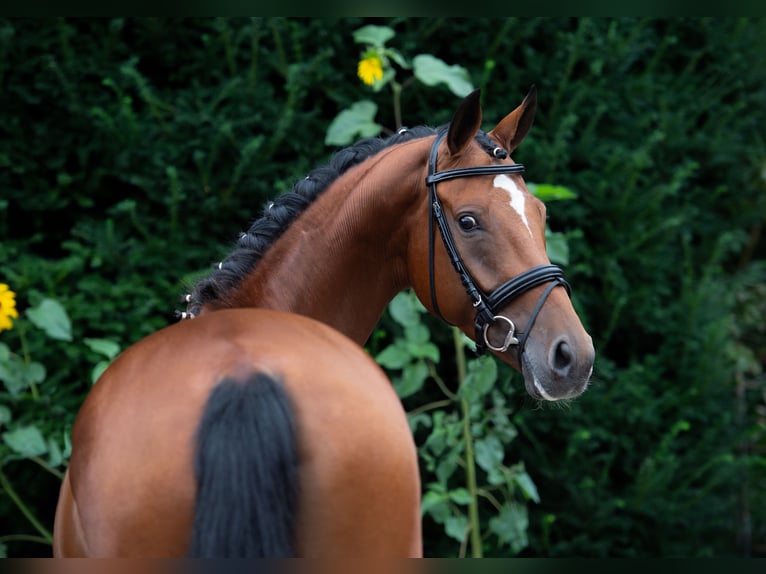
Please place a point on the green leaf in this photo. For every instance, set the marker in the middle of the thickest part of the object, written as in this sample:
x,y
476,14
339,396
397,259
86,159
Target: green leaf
x,y
394,356
67,446
397,57
412,379
547,192
110,349
434,496
456,527
680,426
35,372
447,466
388,75
55,456
98,370
480,378
510,526
356,121
433,71
557,247
5,415
435,503
375,35
5,352
527,486
9,378
18,376
423,351
502,425
460,496
419,419
405,309
416,333
418,344
27,441
466,341
51,317
489,453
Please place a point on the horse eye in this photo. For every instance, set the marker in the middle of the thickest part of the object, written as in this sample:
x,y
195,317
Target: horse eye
x,y
467,222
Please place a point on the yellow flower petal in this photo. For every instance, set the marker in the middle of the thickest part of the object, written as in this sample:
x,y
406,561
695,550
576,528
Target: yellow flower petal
x,y
7,307
370,70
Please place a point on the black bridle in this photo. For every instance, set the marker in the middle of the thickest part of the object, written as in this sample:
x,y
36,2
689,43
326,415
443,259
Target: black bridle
x,y
487,306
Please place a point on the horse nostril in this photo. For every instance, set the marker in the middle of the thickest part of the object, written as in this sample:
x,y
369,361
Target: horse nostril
x,y
562,358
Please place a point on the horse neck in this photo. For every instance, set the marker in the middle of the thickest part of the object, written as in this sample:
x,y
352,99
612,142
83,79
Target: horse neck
x,y
345,257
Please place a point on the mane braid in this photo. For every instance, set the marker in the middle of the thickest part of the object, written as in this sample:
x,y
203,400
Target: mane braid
x,y
278,215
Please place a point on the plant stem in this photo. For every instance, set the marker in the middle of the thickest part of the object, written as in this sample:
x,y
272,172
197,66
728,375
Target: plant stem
x,y
27,360
9,490
470,474
54,471
396,88
430,406
489,496
440,382
470,465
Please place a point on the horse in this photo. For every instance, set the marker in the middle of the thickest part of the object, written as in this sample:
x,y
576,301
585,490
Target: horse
x,y
257,425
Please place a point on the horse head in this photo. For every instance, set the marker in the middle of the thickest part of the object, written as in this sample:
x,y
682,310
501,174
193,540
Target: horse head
x,y
489,272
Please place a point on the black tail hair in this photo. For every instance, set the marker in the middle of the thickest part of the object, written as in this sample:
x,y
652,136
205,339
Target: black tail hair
x,y
247,472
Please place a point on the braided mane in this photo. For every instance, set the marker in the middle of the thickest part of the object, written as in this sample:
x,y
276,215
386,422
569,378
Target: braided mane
x,y
278,214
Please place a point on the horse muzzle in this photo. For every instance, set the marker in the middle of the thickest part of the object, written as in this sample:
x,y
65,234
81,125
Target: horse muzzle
x,y
559,370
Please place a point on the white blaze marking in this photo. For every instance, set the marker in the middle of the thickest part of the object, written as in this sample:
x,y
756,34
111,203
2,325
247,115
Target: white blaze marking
x,y
518,200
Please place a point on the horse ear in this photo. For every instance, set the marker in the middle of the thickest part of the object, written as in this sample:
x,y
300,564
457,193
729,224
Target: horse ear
x,y
513,127
465,123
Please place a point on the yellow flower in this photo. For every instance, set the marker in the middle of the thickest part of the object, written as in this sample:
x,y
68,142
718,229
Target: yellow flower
x,y
370,70
7,307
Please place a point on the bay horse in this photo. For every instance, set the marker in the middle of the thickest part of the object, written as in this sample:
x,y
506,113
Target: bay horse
x,y
257,426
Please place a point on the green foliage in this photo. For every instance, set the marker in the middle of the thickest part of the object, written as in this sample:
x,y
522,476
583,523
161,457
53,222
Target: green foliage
x,y
432,71
413,353
547,192
51,317
134,150
104,347
460,434
358,119
31,435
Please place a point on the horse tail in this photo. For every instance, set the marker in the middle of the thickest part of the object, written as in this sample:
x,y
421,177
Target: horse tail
x,y
247,472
